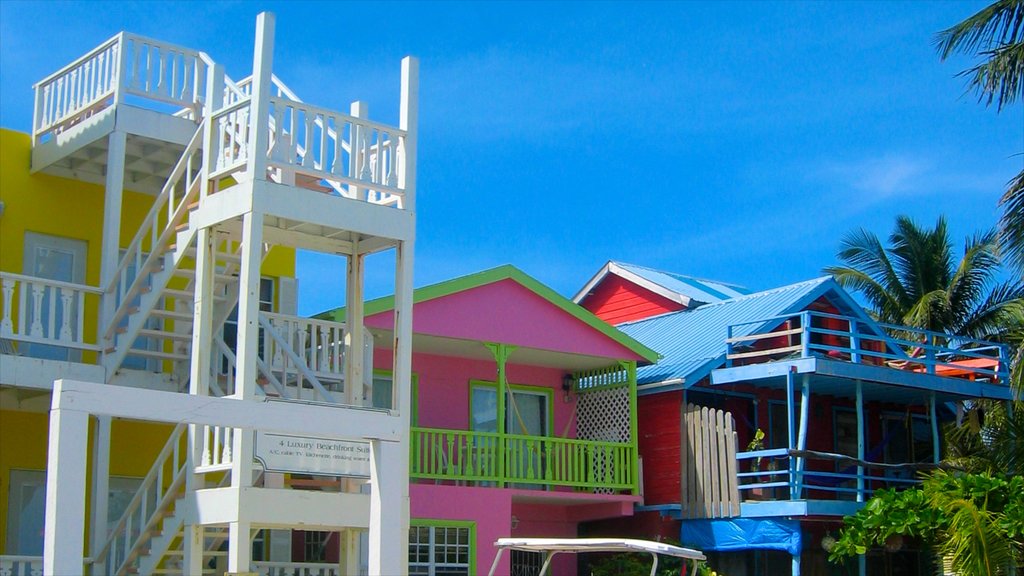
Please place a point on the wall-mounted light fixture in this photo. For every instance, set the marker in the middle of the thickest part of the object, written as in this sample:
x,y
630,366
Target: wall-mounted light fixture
x,y
515,522
567,382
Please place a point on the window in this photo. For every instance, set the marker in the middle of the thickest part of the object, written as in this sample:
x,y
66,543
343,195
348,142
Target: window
x,y
907,439
120,491
441,550
53,258
26,511
527,412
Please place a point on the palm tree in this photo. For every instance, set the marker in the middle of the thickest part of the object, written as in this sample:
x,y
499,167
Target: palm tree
x,y
917,282
996,33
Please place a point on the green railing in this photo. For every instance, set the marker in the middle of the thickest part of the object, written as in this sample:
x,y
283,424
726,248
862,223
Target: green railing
x,y
501,459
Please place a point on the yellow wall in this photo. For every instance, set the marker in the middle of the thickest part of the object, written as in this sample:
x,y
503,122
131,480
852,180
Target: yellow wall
x,y
69,208
23,436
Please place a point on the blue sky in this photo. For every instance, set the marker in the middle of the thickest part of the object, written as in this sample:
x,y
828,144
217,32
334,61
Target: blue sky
x,y
734,141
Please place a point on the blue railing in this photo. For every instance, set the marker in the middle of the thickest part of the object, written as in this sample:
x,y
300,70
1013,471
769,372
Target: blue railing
x,y
818,334
782,474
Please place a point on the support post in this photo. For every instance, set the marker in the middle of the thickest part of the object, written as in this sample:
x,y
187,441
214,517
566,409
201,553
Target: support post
x,y
805,403
354,368
259,119
111,239
192,540
68,444
634,435
860,440
933,417
239,547
249,305
501,353
408,120
100,485
389,508
791,427
359,154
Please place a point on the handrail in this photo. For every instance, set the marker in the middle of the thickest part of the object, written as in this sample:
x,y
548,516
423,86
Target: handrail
x,y
80,60
58,283
155,477
149,227
299,363
922,350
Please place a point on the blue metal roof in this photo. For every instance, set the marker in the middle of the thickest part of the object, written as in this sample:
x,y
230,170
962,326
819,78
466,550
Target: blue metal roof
x,y
692,342
705,291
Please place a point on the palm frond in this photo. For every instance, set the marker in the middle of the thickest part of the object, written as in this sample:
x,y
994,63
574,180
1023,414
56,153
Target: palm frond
x,y
1001,22
1011,224
1000,78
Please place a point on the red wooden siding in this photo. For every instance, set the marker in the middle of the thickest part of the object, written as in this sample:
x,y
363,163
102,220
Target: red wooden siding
x,y
659,431
616,300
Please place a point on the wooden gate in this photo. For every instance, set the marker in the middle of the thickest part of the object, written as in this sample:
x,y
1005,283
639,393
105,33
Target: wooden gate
x,y
710,488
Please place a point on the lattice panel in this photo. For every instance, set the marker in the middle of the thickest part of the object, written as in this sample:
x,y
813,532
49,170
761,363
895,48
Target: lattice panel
x,y
603,415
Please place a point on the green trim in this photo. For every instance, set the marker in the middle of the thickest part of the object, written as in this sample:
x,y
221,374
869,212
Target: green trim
x,y
506,272
444,523
414,411
634,434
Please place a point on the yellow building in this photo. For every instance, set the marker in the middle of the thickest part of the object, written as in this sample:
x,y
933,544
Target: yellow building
x,y
147,264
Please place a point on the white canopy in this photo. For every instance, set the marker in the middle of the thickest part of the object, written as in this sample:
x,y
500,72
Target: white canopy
x,y
552,546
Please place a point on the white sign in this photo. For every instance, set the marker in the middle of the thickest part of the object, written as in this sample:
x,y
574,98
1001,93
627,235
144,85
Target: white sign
x,y
306,455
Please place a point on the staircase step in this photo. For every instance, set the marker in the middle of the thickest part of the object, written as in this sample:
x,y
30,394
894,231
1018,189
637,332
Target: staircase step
x,y
217,278
186,295
219,256
158,354
164,335
172,315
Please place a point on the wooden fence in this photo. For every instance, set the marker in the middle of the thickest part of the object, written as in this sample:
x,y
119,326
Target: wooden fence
x,y
710,487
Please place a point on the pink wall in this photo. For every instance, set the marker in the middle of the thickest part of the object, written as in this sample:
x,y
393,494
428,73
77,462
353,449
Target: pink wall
x,y
491,510
443,388
506,312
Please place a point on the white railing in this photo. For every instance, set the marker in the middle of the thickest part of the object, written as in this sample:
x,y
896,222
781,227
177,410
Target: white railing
x,y
146,251
299,355
320,343
127,64
231,137
368,168
295,569
217,448
147,507
21,566
45,311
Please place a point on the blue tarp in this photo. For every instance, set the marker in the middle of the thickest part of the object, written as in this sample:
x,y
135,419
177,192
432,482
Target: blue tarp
x,y
742,534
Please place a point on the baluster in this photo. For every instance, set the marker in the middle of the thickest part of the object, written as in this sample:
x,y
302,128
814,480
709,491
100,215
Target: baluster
x,y
7,323
307,137
322,154
364,153
37,310
392,163
65,321
228,439
206,458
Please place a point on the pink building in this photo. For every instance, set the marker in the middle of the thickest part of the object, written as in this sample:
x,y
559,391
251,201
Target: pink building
x,y
524,419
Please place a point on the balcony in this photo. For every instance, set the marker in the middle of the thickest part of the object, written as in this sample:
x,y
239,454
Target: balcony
x,y
846,339
46,317
491,459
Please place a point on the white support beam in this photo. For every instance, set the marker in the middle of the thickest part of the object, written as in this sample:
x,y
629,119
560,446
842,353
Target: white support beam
x,y
111,240
100,484
408,121
336,422
262,72
64,538
354,329
389,509
239,547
